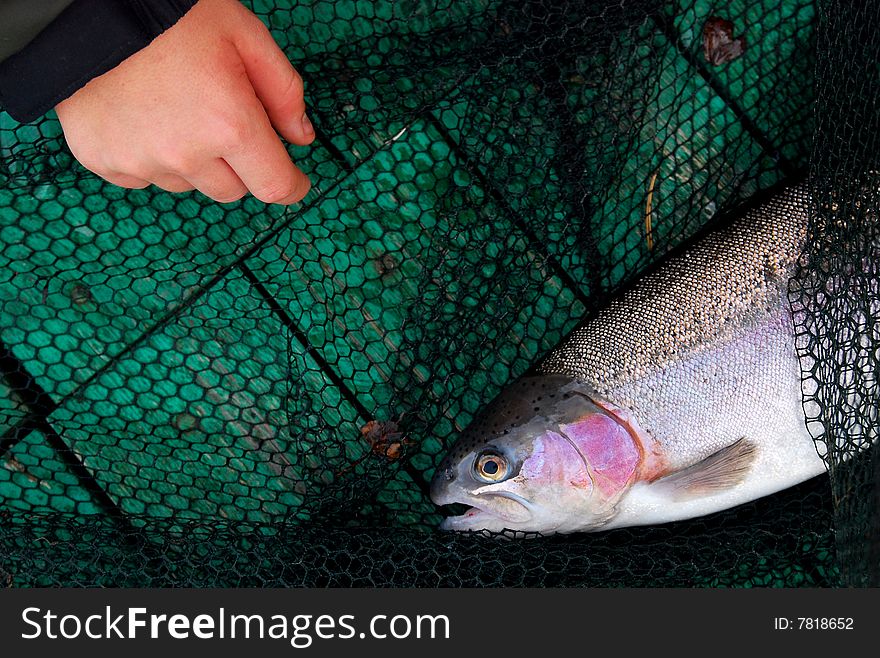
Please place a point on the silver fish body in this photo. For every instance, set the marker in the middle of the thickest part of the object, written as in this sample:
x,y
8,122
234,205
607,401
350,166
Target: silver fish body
x,y
681,398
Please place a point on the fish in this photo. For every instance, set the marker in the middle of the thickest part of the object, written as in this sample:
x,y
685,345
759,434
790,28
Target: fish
x,y
679,398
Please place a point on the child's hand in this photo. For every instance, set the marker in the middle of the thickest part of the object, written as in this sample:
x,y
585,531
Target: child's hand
x,y
196,109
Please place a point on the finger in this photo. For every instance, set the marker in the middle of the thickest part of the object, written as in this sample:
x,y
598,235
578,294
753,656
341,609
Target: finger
x,y
217,180
276,83
263,165
124,180
171,183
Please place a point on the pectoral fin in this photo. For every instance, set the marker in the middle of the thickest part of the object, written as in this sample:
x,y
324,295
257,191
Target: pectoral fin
x,y
719,471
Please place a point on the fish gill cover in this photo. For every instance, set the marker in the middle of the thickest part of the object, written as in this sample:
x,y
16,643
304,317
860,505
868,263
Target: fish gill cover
x,y
245,395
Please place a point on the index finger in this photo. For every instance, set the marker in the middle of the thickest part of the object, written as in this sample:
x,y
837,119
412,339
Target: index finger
x,y
264,166
276,83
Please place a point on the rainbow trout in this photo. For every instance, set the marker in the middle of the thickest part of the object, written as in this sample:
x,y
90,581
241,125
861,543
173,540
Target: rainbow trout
x,y
681,398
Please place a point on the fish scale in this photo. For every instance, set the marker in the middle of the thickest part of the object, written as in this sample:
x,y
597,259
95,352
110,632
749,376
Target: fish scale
x,y
723,285
695,359
724,297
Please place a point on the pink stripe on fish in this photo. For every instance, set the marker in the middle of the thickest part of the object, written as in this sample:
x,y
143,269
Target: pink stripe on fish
x,y
608,448
554,460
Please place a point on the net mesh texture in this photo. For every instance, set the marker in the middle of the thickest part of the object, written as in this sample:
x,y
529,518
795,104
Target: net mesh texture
x,y
196,394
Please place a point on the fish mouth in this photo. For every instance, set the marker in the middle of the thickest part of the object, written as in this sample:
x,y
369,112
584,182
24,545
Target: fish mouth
x,y
508,512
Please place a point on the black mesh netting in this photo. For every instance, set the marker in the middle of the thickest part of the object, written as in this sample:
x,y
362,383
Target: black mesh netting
x,y
210,395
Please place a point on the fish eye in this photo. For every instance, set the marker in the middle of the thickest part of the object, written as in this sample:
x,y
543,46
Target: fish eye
x,y
491,467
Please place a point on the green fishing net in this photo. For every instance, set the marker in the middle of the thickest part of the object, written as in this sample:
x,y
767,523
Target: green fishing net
x,y
249,395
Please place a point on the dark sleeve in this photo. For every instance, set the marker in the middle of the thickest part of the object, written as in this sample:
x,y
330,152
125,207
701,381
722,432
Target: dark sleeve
x,y
87,39
22,20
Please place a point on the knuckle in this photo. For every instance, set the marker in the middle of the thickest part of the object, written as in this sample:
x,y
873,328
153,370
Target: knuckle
x,y
277,188
228,196
88,158
125,180
290,190
292,98
167,183
126,166
295,84
179,160
231,134
274,194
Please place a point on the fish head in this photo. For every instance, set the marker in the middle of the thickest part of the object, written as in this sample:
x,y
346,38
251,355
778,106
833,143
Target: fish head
x,y
547,456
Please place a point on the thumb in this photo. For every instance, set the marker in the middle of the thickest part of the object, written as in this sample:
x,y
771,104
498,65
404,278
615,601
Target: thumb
x,y
276,83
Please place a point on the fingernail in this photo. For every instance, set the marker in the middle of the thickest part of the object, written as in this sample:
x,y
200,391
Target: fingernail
x,y
308,128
